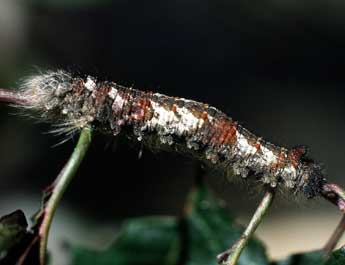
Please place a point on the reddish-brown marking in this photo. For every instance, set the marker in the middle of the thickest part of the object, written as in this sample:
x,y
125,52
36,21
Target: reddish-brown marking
x,y
295,154
213,133
204,115
137,112
140,108
219,129
101,94
144,105
232,132
147,107
173,109
78,87
280,160
224,136
257,145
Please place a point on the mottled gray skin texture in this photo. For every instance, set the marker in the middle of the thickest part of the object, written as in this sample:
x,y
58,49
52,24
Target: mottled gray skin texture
x,y
72,103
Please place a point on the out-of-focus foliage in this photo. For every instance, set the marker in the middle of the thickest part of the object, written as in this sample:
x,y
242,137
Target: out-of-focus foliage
x,y
204,230
18,243
196,237
314,258
13,228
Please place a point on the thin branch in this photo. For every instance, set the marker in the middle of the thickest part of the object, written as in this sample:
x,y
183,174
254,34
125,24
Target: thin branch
x,y
333,241
336,195
60,186
10,96
231,256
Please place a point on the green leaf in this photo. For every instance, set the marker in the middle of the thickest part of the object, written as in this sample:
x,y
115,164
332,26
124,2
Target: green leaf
x,y
18,244
314,258
141,241
212,230
204,230
337,258
309,258
13,228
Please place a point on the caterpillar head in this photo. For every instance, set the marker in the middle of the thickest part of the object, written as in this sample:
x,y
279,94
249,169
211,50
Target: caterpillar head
x,y
313,179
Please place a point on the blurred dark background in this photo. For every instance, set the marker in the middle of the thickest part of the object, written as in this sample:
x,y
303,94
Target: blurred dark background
x,y
275,66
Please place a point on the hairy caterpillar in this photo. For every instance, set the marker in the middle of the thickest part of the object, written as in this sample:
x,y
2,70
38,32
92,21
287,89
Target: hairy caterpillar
x,y
204,131
73,103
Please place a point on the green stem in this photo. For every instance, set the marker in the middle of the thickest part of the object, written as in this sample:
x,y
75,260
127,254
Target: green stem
x,y
231,256
60,186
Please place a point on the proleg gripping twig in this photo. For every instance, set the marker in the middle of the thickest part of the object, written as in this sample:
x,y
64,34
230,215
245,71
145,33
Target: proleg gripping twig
x,y
72,103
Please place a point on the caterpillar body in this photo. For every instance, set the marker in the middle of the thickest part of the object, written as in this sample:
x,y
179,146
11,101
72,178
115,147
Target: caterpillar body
x,y
202,130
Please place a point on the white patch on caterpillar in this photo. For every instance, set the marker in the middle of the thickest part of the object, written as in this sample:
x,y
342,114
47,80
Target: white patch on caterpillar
x,y
188,120
90,84
118,102
180,122
243,147
290,174
268,155
162,118
112,93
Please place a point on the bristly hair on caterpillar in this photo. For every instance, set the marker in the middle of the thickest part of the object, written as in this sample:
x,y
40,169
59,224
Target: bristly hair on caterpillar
x,y
72,103
42,93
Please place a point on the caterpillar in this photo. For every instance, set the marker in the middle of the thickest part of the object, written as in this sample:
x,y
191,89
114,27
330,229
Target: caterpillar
x,y
193,127
72,103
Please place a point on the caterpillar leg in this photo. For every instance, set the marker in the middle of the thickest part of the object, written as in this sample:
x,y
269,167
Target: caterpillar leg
x,y
231,256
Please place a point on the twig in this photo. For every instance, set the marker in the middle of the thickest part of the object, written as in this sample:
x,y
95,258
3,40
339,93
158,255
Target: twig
x,y
335,194
337,234
60,186
10,96
231,256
